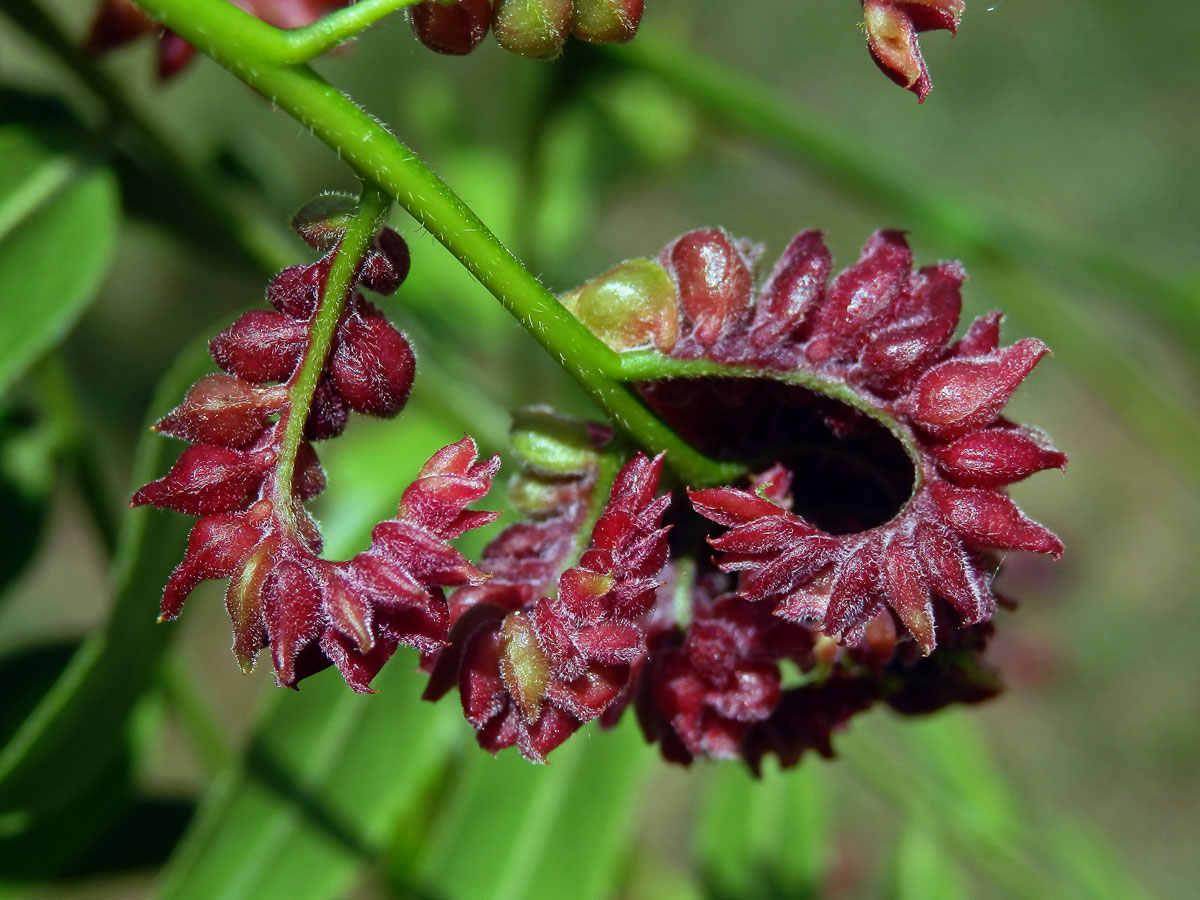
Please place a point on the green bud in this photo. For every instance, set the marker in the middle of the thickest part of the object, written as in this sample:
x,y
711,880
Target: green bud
x,y
322,221
537,495
606,21
553,445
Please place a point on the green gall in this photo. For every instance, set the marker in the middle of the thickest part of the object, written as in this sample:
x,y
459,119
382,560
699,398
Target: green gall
x,y
632,306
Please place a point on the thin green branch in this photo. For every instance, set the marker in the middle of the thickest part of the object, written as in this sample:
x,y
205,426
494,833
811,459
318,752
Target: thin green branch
x,y
366,222
649,365
228,35
300,45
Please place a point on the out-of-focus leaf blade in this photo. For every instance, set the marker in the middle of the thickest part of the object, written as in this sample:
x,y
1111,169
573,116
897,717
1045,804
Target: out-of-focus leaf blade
x,y
78,731
940,772
326,773
566,202
316,792
1093,866
954,753
51,846
27,452
654,879
525,831
58,218
108,828
28,672
141,837
922,870
881,752
764,838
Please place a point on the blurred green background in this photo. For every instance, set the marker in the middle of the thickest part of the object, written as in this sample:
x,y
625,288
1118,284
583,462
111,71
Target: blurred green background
x,y
1060,145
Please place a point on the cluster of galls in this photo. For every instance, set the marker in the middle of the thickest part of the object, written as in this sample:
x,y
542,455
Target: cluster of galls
x,y
550,641
535,28
736,620
851,391
247,475
892,27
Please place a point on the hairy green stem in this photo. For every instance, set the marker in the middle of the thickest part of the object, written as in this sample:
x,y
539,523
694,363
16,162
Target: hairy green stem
x,y
650,365
366,222
231,37
300,45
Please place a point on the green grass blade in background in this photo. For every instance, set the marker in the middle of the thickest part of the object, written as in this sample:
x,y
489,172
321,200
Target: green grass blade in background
x,y
27,475
939,772
964,775
511,830
653,879
316,792
999,248
953,753
876,751
764,838
58,220
1093,865
78,731
922,870
973,230
315,795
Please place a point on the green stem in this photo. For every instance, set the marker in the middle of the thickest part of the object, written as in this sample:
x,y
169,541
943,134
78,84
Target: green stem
x,y
232,38
607,467
300,45
367,221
